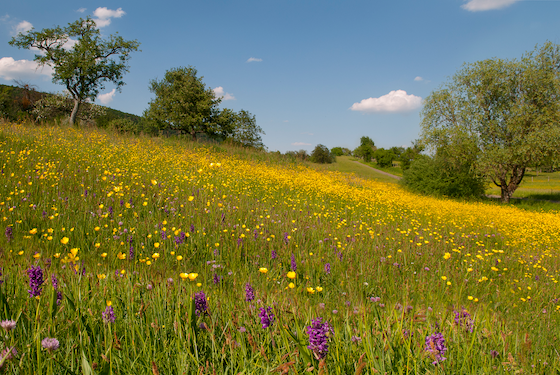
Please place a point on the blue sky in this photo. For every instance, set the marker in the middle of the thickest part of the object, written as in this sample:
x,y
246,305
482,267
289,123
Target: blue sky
x,y
312,72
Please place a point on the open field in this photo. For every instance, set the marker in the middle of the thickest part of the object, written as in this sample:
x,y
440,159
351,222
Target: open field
x,y
148,255
346,164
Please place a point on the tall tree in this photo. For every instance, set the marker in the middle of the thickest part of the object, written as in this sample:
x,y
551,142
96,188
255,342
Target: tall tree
x,y
246,132
183,102
500,115
85,66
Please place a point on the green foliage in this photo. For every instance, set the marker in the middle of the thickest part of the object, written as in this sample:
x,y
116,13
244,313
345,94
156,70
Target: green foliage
x,y
410,154
504,115
337,151
299,155
384,158
364,152
434,176
341,151
322,155
16,102
85,67
367,141
183,102
246,132
58,106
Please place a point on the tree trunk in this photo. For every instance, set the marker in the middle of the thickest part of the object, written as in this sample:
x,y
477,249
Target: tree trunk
x,y
74,111
509,188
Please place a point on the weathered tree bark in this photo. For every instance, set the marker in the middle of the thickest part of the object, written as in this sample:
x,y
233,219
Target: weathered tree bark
x,y
74,111
509,188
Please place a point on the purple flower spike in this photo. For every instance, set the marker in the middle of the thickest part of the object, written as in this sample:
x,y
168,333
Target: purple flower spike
x,y
201,305
9,233
249,292
35,281
293,263
108,315
435,345
318,333
267,317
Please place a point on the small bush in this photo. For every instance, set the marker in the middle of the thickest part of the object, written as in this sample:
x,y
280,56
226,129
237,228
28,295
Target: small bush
x,y
432,176
322,155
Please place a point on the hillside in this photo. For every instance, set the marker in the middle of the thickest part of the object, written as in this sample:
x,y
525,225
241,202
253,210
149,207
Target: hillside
x,y
189,258
16,104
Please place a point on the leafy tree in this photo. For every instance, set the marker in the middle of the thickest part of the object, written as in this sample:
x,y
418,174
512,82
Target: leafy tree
x,y
84,67
410,154
365,152
322,155
337,151
366,149
384,158
246,132
183,102
367,141
503,115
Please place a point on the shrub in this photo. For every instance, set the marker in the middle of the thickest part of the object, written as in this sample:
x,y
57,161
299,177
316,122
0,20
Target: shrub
x,y
322,155
384,158
433,176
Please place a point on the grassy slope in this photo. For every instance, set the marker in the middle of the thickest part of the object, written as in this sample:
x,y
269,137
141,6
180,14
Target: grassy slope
x,y
347,165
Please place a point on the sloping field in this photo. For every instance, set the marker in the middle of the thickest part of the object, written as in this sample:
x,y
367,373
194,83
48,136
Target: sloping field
x,y
174,259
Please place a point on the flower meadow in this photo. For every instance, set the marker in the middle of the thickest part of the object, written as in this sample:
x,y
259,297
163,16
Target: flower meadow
x,y
124,254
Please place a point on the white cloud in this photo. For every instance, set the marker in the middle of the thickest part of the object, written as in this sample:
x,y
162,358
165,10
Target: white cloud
x,y
395,101
301,144
81,10
418,79
104,15
23,27
22,69
219,93
106,98
254,59
482,5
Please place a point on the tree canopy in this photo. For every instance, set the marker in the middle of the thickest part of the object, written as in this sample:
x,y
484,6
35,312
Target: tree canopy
x,y
82,65
183,102
246,132
500,116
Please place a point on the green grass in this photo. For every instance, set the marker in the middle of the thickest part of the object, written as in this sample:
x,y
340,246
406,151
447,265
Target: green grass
x,y
347,164
397,171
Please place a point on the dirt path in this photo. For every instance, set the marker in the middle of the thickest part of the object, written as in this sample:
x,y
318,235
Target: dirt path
x,y
378,171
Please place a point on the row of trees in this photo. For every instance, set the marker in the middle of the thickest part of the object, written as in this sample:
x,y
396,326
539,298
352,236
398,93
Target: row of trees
x,y
182,104
383,157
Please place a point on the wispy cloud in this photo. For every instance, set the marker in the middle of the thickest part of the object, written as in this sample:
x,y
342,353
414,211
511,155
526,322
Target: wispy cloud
x,y
81,10
22,69
23,27
301,144
253,59
103,16
220,93
395,101
107,97
482,5
418,79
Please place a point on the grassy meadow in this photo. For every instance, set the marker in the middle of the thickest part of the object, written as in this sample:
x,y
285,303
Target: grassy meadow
x,y
124,254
